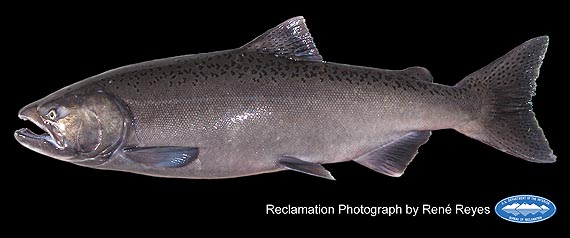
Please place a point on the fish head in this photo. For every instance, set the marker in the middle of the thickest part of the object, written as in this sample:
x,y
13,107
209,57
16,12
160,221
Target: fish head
x,y
80,125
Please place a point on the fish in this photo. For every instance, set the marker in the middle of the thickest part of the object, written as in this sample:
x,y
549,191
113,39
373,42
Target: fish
x,y
275,104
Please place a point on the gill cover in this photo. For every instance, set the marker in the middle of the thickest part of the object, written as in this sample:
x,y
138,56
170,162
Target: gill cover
x,y
83,124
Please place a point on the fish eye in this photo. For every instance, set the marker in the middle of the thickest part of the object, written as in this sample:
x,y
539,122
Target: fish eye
x,y
52,114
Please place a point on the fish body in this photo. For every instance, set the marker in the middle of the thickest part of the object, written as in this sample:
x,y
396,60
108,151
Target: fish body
x,y
275,104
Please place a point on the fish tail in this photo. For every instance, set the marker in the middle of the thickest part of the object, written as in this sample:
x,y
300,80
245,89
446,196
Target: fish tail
x,y
504,118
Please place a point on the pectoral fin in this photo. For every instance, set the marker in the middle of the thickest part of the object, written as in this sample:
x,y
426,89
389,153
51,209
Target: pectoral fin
x,y
298,165
164,157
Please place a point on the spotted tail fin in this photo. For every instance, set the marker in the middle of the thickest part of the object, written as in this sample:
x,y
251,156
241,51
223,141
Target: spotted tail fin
x,y
505,89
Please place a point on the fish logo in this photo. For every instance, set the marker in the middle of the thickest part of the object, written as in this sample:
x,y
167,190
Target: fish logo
x,y
525,209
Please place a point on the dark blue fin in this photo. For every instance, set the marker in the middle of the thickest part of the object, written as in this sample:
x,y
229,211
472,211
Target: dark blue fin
x,y
290,39
393,158
298,165
164,157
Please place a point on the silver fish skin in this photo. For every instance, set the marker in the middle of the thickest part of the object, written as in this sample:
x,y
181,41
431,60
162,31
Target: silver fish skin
x,y
274,104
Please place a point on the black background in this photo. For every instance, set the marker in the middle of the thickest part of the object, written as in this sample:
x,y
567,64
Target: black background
x,y
55,46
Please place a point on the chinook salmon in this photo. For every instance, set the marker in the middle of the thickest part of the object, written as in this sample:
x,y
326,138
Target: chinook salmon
x,y
274,104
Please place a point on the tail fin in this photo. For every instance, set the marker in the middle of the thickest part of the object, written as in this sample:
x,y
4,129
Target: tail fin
x,y
505,88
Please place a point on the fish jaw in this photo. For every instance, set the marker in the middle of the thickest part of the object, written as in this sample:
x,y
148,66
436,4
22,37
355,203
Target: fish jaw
x,y
48,143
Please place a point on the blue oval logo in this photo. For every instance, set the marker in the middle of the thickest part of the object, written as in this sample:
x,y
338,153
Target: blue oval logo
x,y
525,209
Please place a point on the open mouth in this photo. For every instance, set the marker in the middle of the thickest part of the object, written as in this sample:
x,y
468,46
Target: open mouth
x,y
26,134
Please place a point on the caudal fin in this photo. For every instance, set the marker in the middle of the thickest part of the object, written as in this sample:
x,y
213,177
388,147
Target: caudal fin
x,y
505,89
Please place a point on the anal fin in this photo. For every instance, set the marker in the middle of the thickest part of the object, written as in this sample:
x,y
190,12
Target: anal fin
x,y
393,158
298,165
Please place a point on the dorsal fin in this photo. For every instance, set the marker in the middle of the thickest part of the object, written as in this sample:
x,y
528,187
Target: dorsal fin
x,y
290,39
